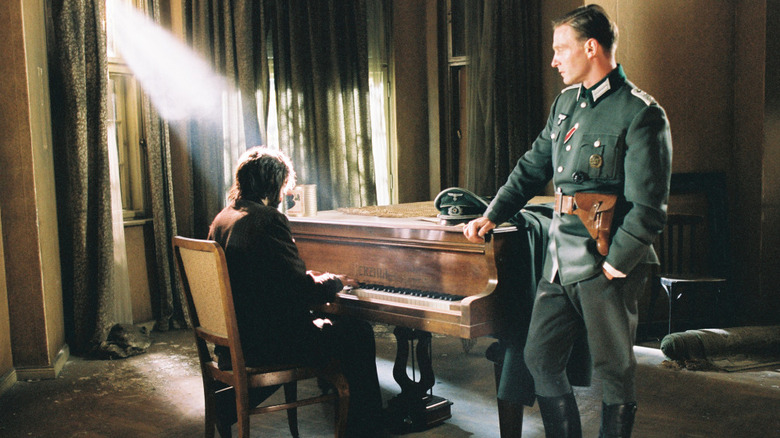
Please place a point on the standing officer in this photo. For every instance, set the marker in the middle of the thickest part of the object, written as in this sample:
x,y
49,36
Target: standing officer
x,y
607,148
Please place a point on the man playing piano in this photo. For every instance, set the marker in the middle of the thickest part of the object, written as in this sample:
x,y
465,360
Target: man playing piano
x,y
273,292
607,148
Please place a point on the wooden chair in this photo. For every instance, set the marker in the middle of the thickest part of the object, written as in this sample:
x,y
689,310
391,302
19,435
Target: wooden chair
x,y
683,272
204,276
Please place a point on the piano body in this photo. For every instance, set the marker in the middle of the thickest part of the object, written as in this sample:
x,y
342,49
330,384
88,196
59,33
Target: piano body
x,y
410,255
439,282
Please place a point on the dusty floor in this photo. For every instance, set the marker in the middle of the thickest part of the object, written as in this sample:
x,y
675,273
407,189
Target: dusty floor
x,y
158,394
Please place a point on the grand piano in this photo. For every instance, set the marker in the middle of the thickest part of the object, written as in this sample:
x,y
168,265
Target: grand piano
x,y
423,278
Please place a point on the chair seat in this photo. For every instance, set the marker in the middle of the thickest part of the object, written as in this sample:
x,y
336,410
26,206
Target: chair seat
x,y
670,279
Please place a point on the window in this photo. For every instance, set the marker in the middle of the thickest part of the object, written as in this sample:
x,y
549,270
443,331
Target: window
x,y
380,94
125,129
379,84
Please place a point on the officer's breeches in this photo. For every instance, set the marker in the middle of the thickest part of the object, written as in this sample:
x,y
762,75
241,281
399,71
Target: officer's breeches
x,y
607,311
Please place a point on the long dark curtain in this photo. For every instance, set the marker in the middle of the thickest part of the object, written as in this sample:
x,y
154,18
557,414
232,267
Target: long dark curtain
x,y
168,305
505,111
320,53
79,79
78,75
231,36
320,67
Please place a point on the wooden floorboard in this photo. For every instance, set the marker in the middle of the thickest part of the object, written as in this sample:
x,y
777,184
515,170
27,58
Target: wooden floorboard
x,y
158,394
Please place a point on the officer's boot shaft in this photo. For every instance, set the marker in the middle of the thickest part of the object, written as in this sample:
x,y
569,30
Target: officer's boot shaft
x,y
617,420
560,416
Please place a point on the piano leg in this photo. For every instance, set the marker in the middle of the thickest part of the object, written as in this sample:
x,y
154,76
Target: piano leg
x,y
415,408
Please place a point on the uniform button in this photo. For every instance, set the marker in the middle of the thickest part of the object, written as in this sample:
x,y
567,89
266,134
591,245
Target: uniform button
x,y
583,105
568,147
552,136
560,169
596,144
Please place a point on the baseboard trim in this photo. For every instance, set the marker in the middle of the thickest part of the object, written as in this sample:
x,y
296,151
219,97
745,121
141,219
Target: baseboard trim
x,y
45,373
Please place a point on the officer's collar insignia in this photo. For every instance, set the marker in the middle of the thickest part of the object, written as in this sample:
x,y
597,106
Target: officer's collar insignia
x,y
561,118
600,90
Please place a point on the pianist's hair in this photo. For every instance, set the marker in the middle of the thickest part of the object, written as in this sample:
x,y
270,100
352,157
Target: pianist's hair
x,y
262,173
591,21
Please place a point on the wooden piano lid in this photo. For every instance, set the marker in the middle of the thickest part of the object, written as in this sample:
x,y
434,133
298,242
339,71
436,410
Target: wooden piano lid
x,y
417,215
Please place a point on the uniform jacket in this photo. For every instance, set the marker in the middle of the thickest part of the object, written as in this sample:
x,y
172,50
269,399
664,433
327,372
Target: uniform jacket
x,y
612,138
271,290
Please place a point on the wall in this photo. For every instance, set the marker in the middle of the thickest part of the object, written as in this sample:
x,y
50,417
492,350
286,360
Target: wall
x,y
768,300
7,371
27,197
750,45
411,101
139,242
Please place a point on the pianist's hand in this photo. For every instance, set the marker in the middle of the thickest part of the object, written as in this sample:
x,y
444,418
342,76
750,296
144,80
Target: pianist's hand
x,y
346,281
475,230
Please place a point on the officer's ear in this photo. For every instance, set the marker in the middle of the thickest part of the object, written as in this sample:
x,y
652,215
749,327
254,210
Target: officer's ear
x,y
591,47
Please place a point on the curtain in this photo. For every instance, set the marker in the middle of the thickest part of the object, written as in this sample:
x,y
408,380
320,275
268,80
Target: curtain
x,y
79,78
123,302
320,68
230,35
322,95
168,307
505,111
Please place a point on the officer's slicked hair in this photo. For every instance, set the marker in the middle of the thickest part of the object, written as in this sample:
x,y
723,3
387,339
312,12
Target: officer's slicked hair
x,y
591,21
262,173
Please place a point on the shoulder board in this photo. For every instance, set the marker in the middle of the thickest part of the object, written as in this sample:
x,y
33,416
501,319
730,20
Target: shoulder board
x,y
570,87
646,98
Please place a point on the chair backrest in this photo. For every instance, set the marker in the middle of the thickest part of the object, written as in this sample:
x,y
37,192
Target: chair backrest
x,y
682,246
206,283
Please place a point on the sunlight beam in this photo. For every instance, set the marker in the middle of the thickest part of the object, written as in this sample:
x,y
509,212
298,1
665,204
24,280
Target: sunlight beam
x,y
180,84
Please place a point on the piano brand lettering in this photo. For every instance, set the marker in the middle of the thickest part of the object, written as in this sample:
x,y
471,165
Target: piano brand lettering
x,y
374,272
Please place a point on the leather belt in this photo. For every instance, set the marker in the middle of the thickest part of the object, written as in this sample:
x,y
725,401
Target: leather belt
x,y
564,204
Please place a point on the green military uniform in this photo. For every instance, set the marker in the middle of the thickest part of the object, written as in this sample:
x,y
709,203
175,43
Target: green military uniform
x,y
611,138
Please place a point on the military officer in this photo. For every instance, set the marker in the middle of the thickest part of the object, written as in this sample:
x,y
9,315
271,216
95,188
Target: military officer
x,y
607,148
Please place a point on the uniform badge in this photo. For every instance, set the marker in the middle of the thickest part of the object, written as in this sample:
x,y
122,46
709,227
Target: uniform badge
x,y
595,161
561,118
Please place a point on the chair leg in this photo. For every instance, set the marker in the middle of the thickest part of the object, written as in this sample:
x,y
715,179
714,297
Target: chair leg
x,y
242,412
342,406
669,295
291,395
211,415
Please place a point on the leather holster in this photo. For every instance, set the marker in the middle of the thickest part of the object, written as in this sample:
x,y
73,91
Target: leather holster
x,y
596,210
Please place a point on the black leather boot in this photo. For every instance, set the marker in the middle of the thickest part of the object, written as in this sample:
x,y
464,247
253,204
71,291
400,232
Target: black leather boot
x,y
617,420
560,416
